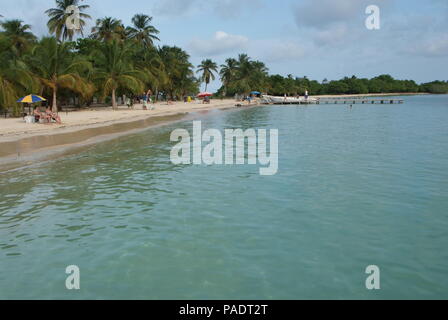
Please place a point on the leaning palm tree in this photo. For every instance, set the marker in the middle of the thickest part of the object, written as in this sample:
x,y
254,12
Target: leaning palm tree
x,y
114,70
142,31
108,29
57,67
19,34
207,67
61,14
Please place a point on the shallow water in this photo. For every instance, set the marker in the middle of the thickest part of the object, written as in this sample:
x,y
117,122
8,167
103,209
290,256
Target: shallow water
x,y
354,188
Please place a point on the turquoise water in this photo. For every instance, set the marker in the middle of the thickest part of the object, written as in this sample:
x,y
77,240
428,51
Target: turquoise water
x,y
354,188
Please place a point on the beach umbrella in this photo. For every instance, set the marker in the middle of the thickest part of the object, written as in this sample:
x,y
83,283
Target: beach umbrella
x,y
205,94
32,98
256,93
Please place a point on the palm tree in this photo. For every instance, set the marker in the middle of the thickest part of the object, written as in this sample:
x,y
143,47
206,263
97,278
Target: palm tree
x,y
15,78
142,31
149,61
244,74
59,16
19,34
108,29
228,72
207,67
56,67
115,70
177,68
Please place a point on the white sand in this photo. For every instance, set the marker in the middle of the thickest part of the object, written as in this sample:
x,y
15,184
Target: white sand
x,y
16,129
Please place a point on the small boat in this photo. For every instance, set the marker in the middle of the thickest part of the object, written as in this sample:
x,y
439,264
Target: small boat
x,y
288,100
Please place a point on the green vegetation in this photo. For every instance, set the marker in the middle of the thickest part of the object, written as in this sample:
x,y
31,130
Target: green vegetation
x,y
116,60
207,67
279,85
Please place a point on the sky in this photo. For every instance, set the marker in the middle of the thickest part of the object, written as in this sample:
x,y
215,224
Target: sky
x,y
320,39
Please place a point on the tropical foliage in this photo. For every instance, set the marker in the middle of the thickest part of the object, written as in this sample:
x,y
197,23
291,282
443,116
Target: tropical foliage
x,y
208,68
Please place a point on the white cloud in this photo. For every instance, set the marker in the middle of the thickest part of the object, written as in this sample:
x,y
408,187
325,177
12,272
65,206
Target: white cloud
x,y
221,43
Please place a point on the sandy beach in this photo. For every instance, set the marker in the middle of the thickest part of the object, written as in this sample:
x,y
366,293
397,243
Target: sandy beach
x,y
13,129
21,142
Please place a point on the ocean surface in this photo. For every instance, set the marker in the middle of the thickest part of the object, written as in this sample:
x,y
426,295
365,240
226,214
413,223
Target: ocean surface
x,y
360,187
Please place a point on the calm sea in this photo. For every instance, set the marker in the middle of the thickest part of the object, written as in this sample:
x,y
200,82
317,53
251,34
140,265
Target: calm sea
x,y
360,187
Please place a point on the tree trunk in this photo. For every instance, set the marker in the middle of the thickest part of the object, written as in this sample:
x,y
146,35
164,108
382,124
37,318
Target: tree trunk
x,y
114,101
55,101
206,84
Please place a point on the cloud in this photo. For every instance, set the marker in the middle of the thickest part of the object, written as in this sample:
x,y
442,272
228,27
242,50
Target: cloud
x,y
174,7
436,46
320,14
222,8
221,43
324,13
283,51
233,8
337,34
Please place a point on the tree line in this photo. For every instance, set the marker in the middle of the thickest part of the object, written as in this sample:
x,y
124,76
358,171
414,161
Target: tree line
x,y
279,85
117,60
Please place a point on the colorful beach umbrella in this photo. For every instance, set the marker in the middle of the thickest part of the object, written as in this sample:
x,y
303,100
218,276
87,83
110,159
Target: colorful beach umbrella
x,y
205,94
31,99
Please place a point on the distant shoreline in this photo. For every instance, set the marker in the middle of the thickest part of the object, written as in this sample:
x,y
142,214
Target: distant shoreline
x,y
371,95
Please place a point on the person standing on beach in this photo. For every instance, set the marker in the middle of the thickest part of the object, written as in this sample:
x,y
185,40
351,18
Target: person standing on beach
x,y
144,101
148,96
306,94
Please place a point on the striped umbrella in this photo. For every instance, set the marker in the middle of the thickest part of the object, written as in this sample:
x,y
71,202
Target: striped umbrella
x,y
205,94
32,98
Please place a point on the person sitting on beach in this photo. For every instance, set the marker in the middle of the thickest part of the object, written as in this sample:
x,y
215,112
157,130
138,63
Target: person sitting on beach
x,y
52,116
37,115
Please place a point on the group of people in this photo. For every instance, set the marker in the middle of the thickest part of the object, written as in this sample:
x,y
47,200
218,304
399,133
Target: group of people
x,y
48,116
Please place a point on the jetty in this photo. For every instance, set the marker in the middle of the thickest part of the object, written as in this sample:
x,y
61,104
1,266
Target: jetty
x,y
359,101
336,100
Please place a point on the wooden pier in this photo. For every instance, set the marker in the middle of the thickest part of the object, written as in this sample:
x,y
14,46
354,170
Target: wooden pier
x,y
341,101
359,101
